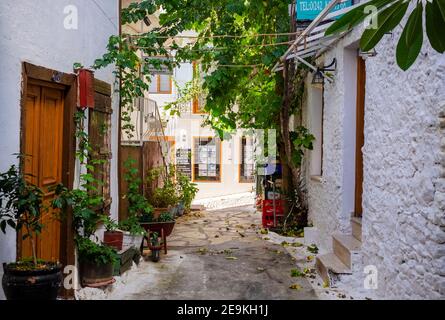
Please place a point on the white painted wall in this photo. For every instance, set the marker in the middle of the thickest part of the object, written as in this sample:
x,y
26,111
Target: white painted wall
x,y
404,185
33,31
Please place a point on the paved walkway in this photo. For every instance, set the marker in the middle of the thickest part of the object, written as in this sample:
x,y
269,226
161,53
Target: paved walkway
x,y
217,255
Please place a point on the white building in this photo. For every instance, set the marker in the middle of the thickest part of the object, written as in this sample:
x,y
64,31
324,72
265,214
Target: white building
x,y
222,169
40,41
376,177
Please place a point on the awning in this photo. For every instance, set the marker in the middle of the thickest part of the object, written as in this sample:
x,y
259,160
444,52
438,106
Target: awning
x,y
312,41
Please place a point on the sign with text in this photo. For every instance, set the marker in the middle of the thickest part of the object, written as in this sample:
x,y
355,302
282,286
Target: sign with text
x,y
310,9
184,162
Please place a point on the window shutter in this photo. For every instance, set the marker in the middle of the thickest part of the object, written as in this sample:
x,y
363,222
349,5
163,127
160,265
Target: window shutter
x,y
99,128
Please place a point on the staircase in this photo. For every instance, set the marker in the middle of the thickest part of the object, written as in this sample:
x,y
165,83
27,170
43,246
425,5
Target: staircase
x,y
344,259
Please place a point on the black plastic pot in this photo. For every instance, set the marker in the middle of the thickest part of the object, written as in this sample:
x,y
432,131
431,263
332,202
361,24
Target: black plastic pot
x,y
32,284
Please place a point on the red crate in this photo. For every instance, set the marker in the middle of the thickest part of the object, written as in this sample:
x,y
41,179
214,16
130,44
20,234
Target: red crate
x,y
268,212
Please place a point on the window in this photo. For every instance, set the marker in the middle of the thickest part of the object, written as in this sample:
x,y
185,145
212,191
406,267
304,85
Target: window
x,y
315,102
161,83
198,102
206,159
247,164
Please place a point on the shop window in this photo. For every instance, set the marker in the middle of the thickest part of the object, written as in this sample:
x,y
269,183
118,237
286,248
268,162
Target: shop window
x,y
206,159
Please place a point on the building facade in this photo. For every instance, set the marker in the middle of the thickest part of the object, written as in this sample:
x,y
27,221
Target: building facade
x,y
40,41
375,178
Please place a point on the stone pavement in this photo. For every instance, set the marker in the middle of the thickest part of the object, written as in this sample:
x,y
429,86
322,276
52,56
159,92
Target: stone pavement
x,y
216,255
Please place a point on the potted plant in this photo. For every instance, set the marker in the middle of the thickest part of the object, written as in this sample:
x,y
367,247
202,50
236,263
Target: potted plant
x,y
187,193
133,232
155,247
95,260
164,198
112,236
20,208
163,226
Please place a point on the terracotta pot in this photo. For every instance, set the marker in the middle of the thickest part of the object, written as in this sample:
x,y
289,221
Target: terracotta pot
x,y
158,211
113,239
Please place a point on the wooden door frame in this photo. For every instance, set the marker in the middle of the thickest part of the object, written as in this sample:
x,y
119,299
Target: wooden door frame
x,y
359,136
51,78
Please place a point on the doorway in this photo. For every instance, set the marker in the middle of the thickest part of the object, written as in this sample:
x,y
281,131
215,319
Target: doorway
x,y
48,104
360,136
43,137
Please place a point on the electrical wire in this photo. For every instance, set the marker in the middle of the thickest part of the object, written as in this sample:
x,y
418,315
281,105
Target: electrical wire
x,y
220,36
227,48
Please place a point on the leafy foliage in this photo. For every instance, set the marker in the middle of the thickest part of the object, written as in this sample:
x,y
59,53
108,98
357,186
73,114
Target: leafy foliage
x,y
85,202
93,252
132,225
137,203
390,14
187,190
166,195
165,217
21,206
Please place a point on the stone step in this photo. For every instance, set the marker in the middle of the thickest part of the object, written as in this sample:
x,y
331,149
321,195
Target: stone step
x,y
344,245
330,263
356,225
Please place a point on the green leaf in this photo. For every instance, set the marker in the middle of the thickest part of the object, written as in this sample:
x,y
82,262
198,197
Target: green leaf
x,y
441,6
435,26
414,25
354,17
411,40
387,19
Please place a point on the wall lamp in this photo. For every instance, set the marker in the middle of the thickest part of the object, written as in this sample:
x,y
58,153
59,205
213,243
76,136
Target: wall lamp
x,y
319,74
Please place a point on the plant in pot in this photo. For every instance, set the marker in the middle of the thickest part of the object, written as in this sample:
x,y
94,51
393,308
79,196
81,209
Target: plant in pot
x,y
21,207
96,260
155,247
138,206
133,232
187,193
164,198
112,236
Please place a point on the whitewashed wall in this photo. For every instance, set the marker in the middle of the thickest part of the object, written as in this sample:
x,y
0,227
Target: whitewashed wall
x,y
404,185
33,31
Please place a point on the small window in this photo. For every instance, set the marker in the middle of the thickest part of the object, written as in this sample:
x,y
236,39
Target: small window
x,y
161,84
247,165
207,159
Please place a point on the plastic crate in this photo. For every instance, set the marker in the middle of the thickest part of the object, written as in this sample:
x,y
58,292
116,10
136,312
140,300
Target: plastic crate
x,y
268,212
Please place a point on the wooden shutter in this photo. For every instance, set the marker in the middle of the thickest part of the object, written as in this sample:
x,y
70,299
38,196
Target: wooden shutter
x,y
99,132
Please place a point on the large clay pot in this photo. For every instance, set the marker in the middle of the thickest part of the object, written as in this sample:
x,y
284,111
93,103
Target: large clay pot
x,y
114,239
32,284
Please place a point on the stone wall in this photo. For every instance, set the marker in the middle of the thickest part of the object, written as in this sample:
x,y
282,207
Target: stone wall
x,y
404,170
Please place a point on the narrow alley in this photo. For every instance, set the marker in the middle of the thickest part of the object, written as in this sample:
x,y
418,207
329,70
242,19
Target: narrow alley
x,y
215,255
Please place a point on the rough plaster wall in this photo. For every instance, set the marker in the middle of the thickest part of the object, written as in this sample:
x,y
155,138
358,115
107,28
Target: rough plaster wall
x,y
33,31
404,174
403,203
325,196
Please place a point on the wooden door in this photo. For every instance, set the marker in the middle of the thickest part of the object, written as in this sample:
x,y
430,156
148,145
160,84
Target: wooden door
x,y
43,136
360,135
